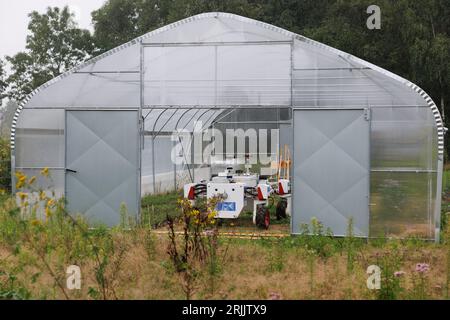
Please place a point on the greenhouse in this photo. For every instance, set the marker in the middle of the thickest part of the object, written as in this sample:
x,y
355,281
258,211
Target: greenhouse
x,y
366,144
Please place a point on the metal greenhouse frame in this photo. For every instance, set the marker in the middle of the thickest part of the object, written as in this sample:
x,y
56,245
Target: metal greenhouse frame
x,y
227,70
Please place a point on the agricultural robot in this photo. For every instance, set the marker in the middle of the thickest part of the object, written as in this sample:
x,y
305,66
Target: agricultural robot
x,y
243,191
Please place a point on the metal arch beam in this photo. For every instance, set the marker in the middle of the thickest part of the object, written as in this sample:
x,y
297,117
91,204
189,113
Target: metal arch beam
x,y
175,165
157,118
182,147
153,151
190,141
148,113
181,117
214,112
165,123
230,112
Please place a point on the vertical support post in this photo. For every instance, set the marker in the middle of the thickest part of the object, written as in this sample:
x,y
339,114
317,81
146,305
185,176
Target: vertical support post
x,y
141,124
13,170
437,206
293,135
215,76
430,208
153,166
292,72
174,170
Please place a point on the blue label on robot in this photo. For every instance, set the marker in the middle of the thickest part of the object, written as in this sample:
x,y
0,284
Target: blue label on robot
x,y
226,206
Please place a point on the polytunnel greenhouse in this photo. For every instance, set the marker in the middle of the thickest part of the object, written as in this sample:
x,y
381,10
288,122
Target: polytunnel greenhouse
x,y
366,144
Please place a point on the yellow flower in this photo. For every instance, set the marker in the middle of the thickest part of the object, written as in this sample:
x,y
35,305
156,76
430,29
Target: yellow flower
x,y
21,179
42,195
44,172
50,202
19,174
211,215
35,222
32,180
22,195
48,212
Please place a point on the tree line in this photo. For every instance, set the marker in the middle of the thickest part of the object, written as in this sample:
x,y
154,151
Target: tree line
x,y
413,41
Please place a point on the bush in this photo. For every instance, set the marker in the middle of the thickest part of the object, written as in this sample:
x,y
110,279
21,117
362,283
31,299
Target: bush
x,y
5,166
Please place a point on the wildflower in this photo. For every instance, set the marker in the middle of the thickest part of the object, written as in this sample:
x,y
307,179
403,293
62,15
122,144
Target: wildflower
x,y
44,172
21,179
48,212
42,195
399,274
274,296
19,185
35,222
22,195
211,215
50,203
32,180
422,267
20,176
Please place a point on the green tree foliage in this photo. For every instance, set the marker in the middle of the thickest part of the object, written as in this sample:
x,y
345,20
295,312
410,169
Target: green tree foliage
x,y
119,21
413,42
55,44
2,81
7,116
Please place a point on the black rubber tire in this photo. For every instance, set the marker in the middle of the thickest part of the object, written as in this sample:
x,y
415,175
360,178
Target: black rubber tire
x,y
262,217
281,209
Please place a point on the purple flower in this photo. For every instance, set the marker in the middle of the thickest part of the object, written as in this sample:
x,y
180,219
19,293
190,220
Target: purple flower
x,y
398,274
422,267
274,296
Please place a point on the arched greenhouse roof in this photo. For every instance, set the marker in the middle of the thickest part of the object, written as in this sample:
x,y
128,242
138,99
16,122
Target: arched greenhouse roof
x,y
200,66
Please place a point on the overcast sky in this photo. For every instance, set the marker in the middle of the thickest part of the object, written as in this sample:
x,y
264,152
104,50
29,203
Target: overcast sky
x,y
14,19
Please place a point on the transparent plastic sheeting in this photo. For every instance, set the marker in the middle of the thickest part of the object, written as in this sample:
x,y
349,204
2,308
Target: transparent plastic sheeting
x,y
402,204
218,75
40,139
229,75
204,66
403,139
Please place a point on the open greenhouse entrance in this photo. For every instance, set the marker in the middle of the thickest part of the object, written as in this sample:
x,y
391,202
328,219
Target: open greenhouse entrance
x,y
331,169
102,164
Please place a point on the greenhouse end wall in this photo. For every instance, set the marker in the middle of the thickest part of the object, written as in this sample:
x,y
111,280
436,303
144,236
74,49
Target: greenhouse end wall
x,y
200,68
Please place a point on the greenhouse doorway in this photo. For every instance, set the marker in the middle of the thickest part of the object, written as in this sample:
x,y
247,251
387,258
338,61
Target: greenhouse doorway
x,y
102,164
331,169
